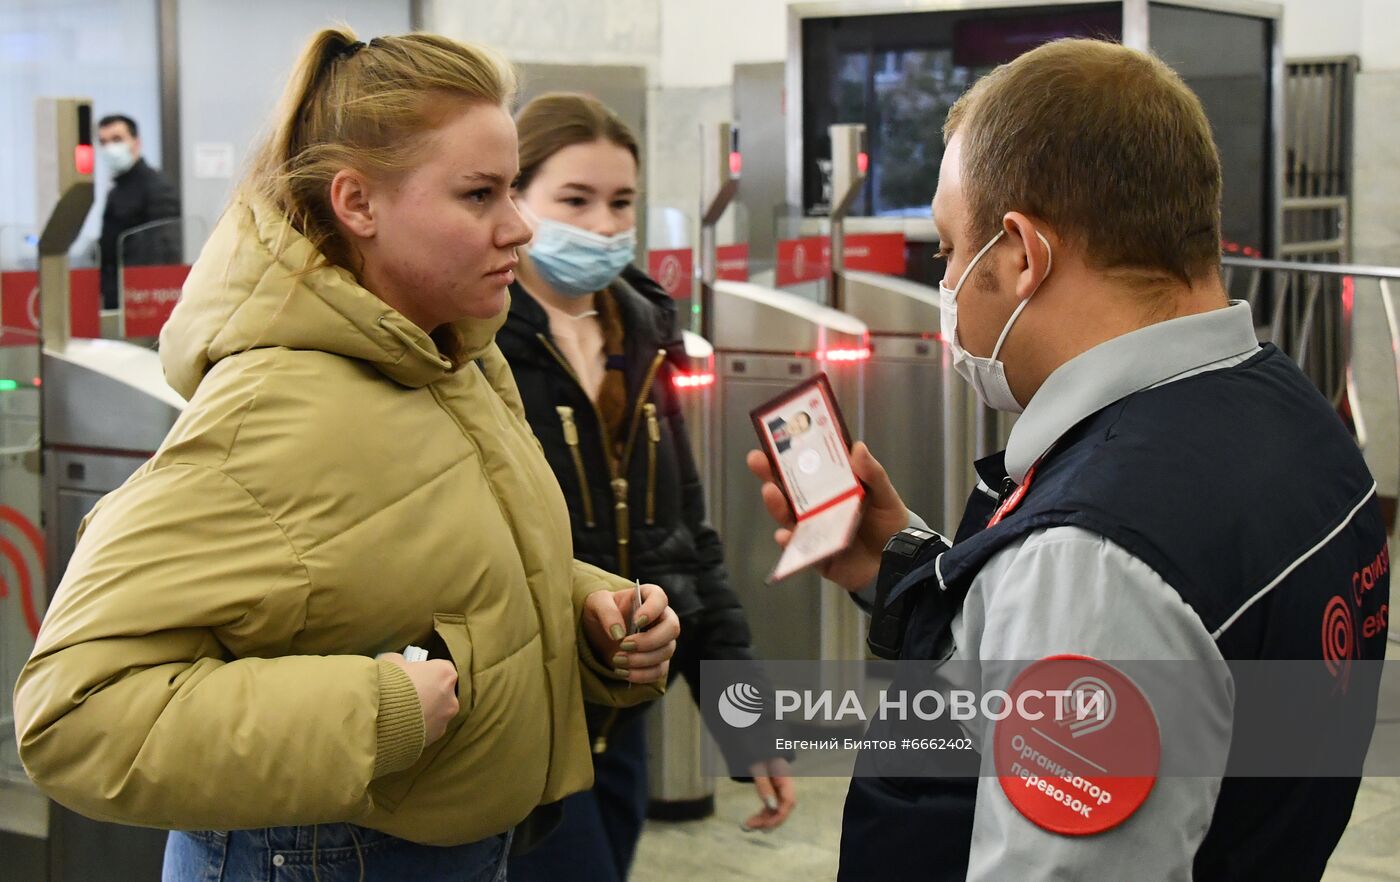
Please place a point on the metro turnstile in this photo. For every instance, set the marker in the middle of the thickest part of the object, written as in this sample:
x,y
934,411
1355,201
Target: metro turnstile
x,y
927,429
678,781
105,407
767,341
904,390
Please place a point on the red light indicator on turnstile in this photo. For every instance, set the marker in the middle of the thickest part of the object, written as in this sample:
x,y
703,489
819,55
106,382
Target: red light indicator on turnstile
x,y
696,380
863,162
83,159
736,163
860,354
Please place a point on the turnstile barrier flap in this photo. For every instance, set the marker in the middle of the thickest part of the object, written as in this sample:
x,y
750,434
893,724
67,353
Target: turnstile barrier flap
x,y
889,304
752,318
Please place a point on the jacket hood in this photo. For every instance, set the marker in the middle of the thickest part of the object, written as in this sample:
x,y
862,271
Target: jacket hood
x,y
250,289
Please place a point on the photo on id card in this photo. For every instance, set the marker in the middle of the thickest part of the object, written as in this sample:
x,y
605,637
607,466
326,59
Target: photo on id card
x,y
805,440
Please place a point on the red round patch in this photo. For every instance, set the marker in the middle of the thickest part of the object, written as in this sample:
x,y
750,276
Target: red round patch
x,y
1080,750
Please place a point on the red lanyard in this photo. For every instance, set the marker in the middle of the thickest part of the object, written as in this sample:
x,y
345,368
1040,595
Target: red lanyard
x,y
1014,499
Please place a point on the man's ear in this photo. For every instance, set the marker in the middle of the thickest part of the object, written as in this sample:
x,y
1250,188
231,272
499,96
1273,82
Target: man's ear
x,y
351,205
1034,255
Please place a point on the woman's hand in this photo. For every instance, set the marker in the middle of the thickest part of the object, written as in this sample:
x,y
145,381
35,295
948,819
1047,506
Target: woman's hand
x,y
773,781
436,683
643,657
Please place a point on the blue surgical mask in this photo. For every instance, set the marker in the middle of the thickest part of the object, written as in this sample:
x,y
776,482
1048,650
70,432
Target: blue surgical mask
x,y
576,262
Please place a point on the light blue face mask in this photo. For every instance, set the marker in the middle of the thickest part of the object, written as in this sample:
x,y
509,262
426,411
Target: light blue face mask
x,y
576,262
117,155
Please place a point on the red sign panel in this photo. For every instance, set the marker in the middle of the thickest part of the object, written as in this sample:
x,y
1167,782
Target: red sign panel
x,y
802,260
673,269
19,306
876,253
150,294
809,259
732,262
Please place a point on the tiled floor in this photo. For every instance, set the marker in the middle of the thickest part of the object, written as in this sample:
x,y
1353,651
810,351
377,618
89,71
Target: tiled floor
x,y
805,849
1370,848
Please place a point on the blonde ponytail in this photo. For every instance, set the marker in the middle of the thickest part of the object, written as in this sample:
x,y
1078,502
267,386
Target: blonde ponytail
x,y
367,107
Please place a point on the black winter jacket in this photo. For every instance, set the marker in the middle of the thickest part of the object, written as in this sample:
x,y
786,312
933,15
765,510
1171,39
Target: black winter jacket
x,y
139,195
656,502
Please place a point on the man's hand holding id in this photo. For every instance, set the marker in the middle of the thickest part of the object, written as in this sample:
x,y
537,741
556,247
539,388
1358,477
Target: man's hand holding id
x,y
816,484
883,515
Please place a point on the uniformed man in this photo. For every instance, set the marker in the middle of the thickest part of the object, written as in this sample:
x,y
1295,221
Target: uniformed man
x,y
140,195
1172,490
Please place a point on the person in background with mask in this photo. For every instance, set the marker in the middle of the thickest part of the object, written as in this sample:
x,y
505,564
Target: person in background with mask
x,y
140,194
1171,491
588,339
353,474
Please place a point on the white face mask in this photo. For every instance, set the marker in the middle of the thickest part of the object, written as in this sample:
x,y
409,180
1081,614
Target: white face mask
x,y
986,376
117,156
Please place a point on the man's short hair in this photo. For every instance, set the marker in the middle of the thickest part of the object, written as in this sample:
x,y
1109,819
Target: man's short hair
x,y
113,118
1107,145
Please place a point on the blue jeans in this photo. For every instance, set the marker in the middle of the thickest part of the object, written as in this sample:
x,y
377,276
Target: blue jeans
x,y
598,834
327,853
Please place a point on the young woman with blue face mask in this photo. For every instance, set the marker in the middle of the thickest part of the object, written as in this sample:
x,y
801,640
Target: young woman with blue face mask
x,y
590,340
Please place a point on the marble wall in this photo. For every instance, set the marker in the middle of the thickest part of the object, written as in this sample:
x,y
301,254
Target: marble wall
x,y
1375,217
1376,240
233,69
555,31
673,140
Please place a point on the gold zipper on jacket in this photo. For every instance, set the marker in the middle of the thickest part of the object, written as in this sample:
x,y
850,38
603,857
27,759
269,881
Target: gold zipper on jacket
x,y
653,439
623,524
641,402
620,497
566,416
621,516
602,425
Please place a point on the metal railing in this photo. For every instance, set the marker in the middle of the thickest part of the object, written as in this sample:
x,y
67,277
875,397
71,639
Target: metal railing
x,y
1309,310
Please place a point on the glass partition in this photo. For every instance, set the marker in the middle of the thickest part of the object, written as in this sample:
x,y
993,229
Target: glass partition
x,y
899,74
152,263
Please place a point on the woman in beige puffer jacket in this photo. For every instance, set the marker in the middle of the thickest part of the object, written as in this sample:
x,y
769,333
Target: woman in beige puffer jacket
x,y
353,474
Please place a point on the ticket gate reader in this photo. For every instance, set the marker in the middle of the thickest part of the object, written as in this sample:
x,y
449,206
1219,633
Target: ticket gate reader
x,y
905,392
922,420
766,342
105,408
